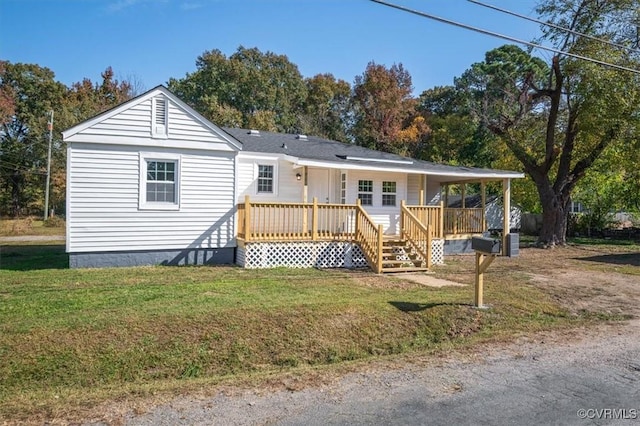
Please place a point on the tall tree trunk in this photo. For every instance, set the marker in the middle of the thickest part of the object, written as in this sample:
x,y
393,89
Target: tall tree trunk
x,y
555,205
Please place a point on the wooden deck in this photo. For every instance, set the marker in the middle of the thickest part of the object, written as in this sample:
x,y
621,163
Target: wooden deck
x,y
411,250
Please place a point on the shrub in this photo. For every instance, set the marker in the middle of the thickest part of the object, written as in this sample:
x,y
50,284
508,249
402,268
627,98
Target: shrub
x,y
54,222
22,226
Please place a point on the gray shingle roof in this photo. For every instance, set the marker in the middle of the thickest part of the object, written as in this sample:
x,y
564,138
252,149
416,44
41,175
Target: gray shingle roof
x,y
319,149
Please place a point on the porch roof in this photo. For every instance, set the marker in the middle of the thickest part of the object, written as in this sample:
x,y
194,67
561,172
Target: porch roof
x,y
319,152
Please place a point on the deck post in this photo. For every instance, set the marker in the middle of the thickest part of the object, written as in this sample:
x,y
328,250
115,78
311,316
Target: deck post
x,y
247,218
441,220
422,189
355,231
379,266
506,201
429,246
402,206
314,220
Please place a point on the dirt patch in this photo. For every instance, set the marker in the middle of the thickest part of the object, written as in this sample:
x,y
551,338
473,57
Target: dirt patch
x,y
426,279
572,277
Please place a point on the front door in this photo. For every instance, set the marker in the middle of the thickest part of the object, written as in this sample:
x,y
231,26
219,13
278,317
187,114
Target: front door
x,y
318,182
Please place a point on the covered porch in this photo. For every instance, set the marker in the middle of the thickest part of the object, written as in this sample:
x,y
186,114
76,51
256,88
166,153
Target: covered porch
x,y
348,233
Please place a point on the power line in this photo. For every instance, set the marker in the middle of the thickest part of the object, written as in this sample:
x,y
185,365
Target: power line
x,y
502,36
558,27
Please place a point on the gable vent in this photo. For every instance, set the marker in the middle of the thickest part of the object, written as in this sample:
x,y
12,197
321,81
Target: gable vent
x,y
159,120
161,111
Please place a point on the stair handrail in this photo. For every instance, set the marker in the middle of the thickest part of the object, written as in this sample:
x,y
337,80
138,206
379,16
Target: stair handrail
x,y
415,232
369,237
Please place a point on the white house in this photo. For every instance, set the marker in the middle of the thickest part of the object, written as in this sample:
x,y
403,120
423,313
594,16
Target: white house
x,y
151,181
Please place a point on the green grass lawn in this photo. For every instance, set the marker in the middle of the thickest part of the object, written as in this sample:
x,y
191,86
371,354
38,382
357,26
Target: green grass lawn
x,y
74,338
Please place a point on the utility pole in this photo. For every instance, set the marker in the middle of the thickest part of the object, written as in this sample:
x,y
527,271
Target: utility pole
x,y
46,191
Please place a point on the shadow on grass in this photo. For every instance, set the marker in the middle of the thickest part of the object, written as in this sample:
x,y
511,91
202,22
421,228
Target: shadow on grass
x,y
632,259
33,257
417,307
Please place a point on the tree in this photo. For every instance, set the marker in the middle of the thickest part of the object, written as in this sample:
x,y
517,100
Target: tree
x,y
29,92
81,101
249,89
456,137
383,108
557,120
327,108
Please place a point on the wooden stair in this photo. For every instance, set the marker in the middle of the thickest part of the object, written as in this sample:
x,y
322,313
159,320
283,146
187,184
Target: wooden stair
x,y
397,256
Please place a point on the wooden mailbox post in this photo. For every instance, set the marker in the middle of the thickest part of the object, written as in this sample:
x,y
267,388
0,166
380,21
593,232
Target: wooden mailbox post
x,y
486,250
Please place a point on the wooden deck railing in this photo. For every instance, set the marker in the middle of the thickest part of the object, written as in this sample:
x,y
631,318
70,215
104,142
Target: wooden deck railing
x,y
463,221
414,232
269,221
432,216
369,237
266,221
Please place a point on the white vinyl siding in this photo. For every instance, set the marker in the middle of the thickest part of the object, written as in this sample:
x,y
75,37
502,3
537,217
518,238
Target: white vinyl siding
x,y
138,125
135,121
431,194
286,187
103,204
387,216
413,189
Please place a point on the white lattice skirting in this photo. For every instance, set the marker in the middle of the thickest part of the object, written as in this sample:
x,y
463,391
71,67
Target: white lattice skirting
x,y
312,254
307,254
437,252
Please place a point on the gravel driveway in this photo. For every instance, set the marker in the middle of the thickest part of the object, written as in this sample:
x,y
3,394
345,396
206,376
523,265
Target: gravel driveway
x,y
591,378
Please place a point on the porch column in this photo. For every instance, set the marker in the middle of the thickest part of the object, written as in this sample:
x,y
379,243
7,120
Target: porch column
x,y
483,198
305,188
506,201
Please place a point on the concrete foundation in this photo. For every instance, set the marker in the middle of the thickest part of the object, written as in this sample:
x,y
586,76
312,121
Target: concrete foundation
x,y
200,256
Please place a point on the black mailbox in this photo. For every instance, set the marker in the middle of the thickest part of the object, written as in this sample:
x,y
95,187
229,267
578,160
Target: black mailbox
x,y
512,244
485,245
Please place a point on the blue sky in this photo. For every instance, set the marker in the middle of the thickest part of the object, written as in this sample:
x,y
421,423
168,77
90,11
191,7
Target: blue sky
x,y
154,40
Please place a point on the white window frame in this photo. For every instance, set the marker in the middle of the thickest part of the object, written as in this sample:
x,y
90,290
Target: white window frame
x,y
395,194
157,131
142,182
370,193
256,170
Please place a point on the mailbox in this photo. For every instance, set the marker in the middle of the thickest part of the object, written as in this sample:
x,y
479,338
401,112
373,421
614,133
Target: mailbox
x,y
512,244
485,245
